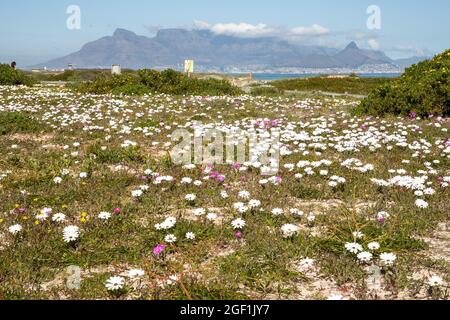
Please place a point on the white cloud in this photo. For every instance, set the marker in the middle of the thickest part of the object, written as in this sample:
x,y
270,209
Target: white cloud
x,y
260,30
373,44
314,30
236,29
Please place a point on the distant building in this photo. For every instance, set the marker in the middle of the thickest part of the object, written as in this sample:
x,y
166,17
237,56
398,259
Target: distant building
x,y
189,66
116,69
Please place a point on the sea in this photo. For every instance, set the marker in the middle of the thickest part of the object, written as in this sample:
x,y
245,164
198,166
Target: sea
x,y
281,76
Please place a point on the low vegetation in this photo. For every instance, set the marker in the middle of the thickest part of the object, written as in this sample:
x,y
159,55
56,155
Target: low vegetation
x,y
151,81
266,91
350,85
424,90
93,207
16,122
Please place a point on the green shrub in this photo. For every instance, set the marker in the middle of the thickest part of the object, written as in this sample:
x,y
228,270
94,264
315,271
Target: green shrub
x,y
423,90
116,155
350,85
15,122
168,81
10,76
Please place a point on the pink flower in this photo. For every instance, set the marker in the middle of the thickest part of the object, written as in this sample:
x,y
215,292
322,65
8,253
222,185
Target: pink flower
x,y
381,220
214,175
159,249
237,166
238,235
117,210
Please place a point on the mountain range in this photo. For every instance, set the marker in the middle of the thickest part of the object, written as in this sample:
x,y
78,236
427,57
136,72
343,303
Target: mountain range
x,y
170,47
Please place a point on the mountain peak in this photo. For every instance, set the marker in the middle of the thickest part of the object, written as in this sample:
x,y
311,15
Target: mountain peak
x,y
123,33
170,47
352,45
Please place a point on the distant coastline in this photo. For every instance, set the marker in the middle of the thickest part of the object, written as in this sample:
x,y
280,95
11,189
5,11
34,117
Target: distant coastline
x,y
281,76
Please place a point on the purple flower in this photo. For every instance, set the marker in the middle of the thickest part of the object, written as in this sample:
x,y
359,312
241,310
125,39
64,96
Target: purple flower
x,y
238,235
22,210
381,220
159,249
214,175
237,166
413,115
117,210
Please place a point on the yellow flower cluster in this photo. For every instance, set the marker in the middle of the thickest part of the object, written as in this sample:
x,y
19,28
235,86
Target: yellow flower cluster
x,y
84,217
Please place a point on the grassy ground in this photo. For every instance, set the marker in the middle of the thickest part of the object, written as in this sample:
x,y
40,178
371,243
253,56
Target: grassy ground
x,y
351,85
101,146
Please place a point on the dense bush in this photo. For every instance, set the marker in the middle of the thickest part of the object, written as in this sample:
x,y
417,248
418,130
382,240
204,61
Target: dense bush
x,y
10,76
350,85
168,81
423,90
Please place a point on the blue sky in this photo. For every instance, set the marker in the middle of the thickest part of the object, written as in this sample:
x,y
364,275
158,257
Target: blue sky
x,y
36,31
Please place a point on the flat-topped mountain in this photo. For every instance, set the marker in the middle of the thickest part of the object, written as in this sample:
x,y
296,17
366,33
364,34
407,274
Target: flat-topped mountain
x,y
170,47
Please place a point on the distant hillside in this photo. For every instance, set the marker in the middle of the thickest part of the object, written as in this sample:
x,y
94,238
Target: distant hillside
x,y
405,63
170,47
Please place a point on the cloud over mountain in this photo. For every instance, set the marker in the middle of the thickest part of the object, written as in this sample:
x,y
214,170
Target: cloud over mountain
x,y
248,30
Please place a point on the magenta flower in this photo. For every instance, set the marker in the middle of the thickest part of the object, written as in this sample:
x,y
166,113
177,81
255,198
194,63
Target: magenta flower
x,y
214,175
381,220
238,235
159,249
237,166
117,210
21,210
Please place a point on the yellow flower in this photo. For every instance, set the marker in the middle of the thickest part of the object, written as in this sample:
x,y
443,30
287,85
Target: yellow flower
x,y
1,220
83,220
36,222
84,214
25,218
17,206
64,206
